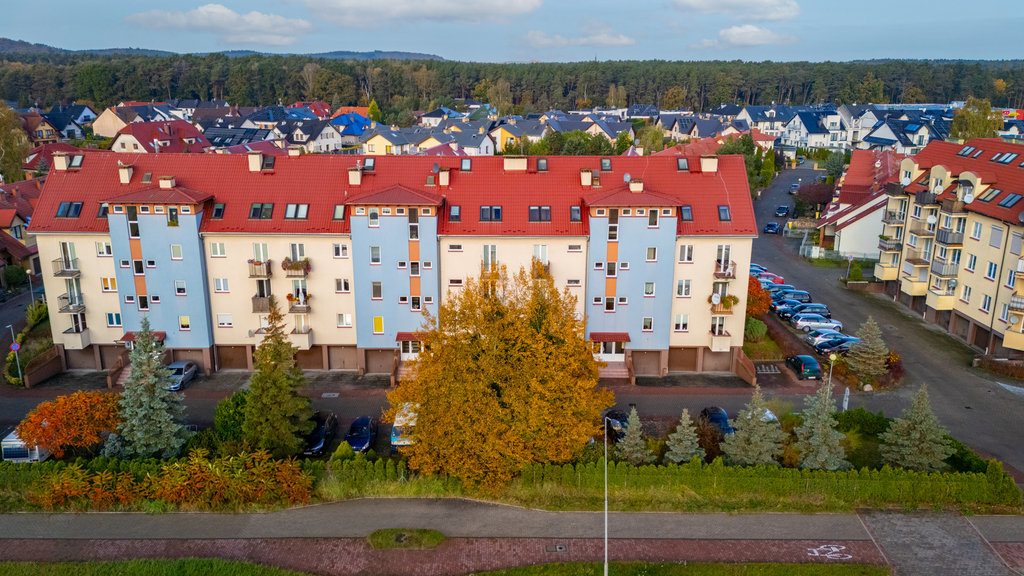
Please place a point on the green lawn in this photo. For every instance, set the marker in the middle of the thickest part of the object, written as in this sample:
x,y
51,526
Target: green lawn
x,y
693,569
190,567
766,349
417,539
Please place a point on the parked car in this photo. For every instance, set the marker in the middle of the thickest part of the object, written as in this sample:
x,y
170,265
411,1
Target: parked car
x,y
780,288
836,346
802,295
765,284
782,211
782,304
794,188
182,372
801,159
362,433
719,418
325,427
806,367
771,228
758,266
756,270
775,278
813,308
818,336
808,322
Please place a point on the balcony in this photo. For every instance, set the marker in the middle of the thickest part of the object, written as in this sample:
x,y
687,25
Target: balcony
x,y
259,269
301,338
299,304
894,189
1020,269
948,237
914,287
725,270
894,218
720,309
922,230
296,268
1017,303
944,270
720,342
890,245
77,338
66,268
1013,339
940,299
953,207
260,304
918,257
70,303
924,198
885,272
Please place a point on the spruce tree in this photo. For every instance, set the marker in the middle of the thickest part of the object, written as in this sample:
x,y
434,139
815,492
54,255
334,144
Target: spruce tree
x,y
633,449
682,444
151,415
817,438
374,111
867,358
276,415
756,441
916,440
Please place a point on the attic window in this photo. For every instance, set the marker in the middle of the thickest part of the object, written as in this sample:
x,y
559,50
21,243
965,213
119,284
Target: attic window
x,y
368,166
990,194
261,211
686,214
430,180
723,214
1010,200
542,164
76,161
69,209
104,209
147,177
606,164
575,214
965,151
976,154
268,163
218,212
466,165
683,164
455,213
339,211
1008,157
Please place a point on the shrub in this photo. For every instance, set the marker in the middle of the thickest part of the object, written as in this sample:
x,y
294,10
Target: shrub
x,y
709,438
862,420
36,314
754,330
343,453
1002,368
230,414
963,459
14,276
856,273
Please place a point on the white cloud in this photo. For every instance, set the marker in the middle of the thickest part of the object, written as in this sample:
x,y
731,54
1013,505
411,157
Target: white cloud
x,y
595,33
746,36
359,13
229,26
749,10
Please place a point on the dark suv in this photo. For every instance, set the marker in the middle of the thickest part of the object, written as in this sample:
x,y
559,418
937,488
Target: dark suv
x,y
325,426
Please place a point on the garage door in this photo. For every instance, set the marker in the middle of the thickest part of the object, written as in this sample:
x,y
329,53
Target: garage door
x,y
312,359
193,355
380,361
647,363
682,360
343,358
233,357
717,361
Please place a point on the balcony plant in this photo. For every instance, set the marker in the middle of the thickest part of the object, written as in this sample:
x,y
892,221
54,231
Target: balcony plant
x,y
727,301
883,237
259,263
292,298
303,264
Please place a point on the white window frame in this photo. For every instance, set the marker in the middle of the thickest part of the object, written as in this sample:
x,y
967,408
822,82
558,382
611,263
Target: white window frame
x,y
217,250
342,286
683,286
647,324
224,321
686,254
681,323
344,320
221,285
181,255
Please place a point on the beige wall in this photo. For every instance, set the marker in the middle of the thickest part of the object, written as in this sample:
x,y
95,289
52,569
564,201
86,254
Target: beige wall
x,y
997,289
107,124
131,144
516,252
325,303
700,273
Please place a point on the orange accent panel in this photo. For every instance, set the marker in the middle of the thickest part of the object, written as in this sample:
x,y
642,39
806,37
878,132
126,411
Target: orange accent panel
x,y
140,286
136,248
414,285
609,287
613,252
414,250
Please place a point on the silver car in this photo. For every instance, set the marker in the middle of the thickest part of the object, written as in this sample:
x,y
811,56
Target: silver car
x,y
182,372
808,322
819,336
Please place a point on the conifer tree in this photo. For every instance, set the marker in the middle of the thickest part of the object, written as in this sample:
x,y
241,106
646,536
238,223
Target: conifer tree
x,y
276,415
867,358
152,416
817,438
374,111
916,440
756,441
682,444
633,449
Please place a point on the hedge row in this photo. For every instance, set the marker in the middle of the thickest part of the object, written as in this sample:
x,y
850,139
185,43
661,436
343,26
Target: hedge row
x,y
716,479
358,469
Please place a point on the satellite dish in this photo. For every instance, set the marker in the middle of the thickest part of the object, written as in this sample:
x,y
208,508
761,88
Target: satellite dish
x,y
1014,319
878,163
968,198
1020,217
937,189
626,177
952,283
716,298
905,181
436,168
932,219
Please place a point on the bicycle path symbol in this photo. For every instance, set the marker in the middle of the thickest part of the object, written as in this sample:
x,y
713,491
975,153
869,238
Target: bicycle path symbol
x,y
830,551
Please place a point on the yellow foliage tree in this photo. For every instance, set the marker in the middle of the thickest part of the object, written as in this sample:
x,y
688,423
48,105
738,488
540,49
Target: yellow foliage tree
x,y
505,377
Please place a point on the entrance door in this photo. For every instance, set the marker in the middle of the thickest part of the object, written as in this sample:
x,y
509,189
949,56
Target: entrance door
x,y
611,351
410,350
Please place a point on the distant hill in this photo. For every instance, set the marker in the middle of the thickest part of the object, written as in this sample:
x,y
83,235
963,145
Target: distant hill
x,y
8,46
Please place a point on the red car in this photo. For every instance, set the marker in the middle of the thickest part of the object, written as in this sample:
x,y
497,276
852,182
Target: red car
x,y
774,278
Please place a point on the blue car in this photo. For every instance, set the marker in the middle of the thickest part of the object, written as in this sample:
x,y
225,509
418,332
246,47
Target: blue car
x,y
771,228
362,433
717,417
782,211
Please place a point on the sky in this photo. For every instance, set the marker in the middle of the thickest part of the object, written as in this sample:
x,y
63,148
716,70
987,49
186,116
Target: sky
x,y
538,30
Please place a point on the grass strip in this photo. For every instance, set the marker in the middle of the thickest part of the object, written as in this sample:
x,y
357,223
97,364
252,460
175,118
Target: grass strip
x,y
184,567
408,538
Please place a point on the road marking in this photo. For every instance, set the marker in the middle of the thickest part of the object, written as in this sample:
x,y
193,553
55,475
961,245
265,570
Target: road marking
x,y
1014,389
830,551
330,395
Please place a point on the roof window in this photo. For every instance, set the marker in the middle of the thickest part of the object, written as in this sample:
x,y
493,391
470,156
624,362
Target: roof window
x,y
683,164
542,164
990,194
723,214
218,212
69,209
76,161
606,164
976,154
147,177
268,162
1010,200
686,214
369,164
261,211
466,165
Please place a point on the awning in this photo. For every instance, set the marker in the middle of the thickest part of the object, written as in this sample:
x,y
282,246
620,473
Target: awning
x,y
410,336
609,336
130,336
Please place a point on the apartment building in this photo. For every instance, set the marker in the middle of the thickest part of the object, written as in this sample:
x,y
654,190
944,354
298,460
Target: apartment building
x,y
357,248
952,241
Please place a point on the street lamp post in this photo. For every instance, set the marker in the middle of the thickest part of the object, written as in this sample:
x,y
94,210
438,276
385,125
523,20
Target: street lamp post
x,y
606,419
831,363
17,358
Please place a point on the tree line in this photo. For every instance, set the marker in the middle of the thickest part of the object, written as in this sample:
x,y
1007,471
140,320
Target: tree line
x,y
403,86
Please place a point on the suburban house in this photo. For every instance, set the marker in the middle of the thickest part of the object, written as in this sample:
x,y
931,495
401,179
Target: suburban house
x,y
311,135
160,137
852,224
40,158
319,108
113,119
224,137
17,244
66,126
39,129
82,114
351,126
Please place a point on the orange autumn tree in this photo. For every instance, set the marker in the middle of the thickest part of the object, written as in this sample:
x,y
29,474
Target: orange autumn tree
x,y
74,421
505,377
758,299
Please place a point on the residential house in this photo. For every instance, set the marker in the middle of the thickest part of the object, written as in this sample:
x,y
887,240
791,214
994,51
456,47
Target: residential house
x,y
66,126
435,117
17,244
40,158
225,137
40,131
82,114
351,126
852,224
319,108
311,135
160,137
905,136
113,119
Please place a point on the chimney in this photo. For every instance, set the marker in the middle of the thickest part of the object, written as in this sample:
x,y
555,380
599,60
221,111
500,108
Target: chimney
x,y
515,163
255,161
166,182
481,129
355,176
639,150
709,164
294,150
636,185
442,177
125,172
60,161
586,177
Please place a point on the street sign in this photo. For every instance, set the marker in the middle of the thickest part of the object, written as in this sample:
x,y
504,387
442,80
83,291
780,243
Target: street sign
x,y
846,399
15,346
849,258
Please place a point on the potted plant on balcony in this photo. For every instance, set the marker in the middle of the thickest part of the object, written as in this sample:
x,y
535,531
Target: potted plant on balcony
x,y
259,263
883,237
303,264
727,302
293,299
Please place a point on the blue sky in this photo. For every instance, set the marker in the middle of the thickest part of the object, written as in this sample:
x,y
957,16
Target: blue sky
x,y
545,30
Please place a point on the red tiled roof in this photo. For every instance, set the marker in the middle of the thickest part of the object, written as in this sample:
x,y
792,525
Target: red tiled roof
x,y
363,111
609,337
7,216
863,178
409,336
175,195
623,196
174,131
15,248
395,195
21,196
130,337
36,155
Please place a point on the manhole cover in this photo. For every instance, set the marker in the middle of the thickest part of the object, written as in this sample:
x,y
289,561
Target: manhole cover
x,y
556,548
890,327
329,395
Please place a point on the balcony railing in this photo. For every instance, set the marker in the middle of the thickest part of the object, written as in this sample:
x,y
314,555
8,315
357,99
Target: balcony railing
x,y
725,269
890,245
299,304
949,237
922,230
260,304
296,268
945,270
66,267
77,329
952,206
919,257
720,309
894,189
894,218
70,303
924,198
259,269
1017,303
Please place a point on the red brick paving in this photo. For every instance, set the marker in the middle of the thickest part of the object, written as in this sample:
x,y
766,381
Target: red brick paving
x,y
1012,553
455,556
